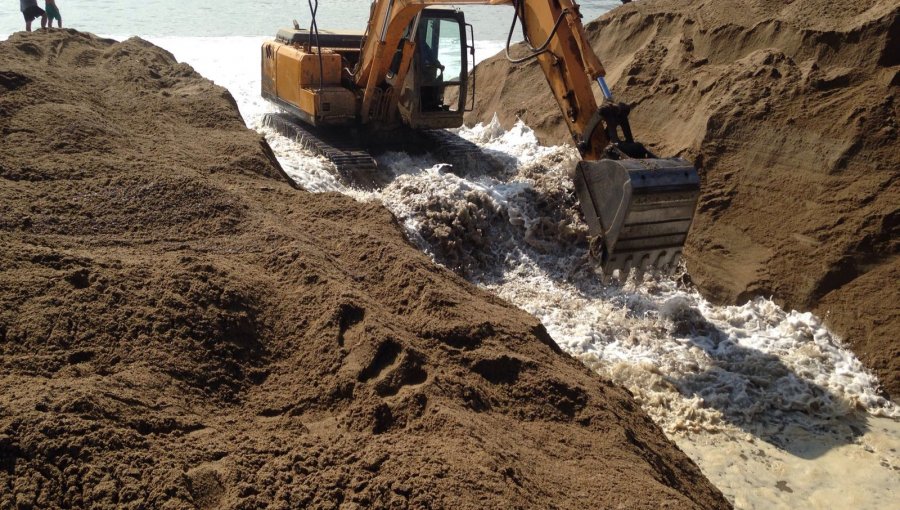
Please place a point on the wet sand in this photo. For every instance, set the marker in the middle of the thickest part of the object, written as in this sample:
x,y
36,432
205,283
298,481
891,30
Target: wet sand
x,y
651,322
811,471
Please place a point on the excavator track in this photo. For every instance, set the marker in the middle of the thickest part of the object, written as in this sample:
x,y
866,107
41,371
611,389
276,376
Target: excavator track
x,y
355,166
466,157
354,163
638,208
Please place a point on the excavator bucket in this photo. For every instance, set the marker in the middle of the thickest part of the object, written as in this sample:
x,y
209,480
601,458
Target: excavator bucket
x,y
639,209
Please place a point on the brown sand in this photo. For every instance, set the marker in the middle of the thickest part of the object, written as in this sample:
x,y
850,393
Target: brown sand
x,y
790,111
179,328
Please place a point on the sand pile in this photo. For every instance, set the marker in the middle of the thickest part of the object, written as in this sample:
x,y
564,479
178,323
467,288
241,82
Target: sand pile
x,y
179,328
790,111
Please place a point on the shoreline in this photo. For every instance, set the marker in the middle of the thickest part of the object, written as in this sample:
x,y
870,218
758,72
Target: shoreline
x,y
813,472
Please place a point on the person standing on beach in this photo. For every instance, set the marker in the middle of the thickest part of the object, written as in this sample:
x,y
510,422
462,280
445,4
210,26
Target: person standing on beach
x,y
31,11
53,12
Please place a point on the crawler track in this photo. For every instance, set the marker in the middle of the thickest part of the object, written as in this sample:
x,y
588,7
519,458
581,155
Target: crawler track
x,y
465,156
355,166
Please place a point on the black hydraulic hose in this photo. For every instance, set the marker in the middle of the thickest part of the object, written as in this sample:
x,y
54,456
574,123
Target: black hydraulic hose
x,y
534,51
314,30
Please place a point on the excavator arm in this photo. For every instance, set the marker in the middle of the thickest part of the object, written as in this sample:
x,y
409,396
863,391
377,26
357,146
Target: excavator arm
x,y
638,208
569,63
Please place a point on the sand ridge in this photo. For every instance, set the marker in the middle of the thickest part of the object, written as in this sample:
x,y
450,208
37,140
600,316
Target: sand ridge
x,y
180,328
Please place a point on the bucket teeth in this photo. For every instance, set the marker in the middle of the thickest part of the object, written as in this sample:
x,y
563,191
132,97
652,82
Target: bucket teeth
x,y
656,261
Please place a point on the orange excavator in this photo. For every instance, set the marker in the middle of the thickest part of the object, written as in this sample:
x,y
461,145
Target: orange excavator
x,y
406,79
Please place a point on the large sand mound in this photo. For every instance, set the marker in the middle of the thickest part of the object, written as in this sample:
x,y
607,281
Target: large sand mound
x,y
179,328
790,110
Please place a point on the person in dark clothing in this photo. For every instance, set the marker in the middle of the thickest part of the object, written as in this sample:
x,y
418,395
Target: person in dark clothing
x,y
52,13
31,11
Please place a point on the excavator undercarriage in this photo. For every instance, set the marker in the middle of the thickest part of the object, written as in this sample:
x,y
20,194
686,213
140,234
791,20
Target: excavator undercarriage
x,y
352,152
398,85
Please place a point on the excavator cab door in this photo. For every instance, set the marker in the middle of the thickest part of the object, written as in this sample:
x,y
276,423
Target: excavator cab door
x,y
434,94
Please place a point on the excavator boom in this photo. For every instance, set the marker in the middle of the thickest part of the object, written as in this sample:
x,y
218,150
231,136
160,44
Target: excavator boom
x,y
638,207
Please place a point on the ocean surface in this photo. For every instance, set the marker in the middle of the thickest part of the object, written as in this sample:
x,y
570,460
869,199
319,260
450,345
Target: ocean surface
x,y
198,18
768,402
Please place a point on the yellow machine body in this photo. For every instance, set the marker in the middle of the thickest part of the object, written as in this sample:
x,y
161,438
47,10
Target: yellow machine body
x,y
307,85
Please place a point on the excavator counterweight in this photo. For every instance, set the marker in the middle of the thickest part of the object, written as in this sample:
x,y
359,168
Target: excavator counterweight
x,y
407,78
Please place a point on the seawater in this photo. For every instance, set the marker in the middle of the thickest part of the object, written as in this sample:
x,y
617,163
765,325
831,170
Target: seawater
x,y
197,18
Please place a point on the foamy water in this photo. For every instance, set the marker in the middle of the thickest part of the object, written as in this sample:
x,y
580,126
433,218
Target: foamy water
x,y
694,365
768,402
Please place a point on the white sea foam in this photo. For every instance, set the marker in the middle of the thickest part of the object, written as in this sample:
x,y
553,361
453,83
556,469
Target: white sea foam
x,y
694,365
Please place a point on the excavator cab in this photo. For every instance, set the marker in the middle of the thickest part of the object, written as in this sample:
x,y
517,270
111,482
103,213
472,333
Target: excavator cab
x,y
435,91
